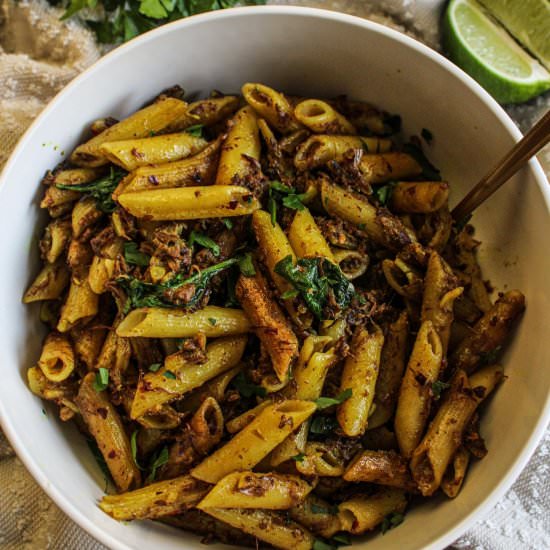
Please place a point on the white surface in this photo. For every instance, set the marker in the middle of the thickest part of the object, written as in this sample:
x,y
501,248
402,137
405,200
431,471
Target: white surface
x,y
324,54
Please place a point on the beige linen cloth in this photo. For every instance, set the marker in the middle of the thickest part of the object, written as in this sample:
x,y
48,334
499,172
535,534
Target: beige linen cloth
x,y
38,56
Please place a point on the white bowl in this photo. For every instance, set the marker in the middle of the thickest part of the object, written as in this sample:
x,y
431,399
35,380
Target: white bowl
x,y
301,51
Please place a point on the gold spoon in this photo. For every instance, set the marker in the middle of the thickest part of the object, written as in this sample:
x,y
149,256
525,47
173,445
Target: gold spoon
x,y
521,152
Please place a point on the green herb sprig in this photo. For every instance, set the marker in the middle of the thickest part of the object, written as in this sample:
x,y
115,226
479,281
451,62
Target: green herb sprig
x,y
100,189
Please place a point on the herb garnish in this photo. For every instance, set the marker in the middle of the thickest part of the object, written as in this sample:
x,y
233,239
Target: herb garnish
x,y
325,402
133,448
438,387
299,457
246,388
169,374
142,294
384,192
227,222
289,294
205,241
335,542
155,367
323,425
134,256
100,189
119,21
212,321
196,130
156,462
390,521
317,280
280,193
101,379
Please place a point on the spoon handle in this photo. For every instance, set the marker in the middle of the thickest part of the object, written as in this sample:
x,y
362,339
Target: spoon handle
x,y
523,150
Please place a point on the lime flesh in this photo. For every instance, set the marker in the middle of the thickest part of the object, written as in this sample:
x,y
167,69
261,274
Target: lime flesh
x,y
489,54
528,21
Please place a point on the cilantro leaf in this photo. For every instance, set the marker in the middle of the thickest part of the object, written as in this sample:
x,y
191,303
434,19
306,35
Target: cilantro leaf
x,y
205,241
212,321
299,457
323,425
195,131
246,388
169,374
438,387
246,265
134,256
227,222
325,402
142,294
384,192
156,462
155,367
133,448
100,189
294,201
289,294
390,521
317,279
101,379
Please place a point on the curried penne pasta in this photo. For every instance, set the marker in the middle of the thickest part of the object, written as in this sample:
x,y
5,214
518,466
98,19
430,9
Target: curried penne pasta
x,y
261,312
190,203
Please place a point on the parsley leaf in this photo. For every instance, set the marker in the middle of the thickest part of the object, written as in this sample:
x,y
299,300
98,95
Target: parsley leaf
x,y
134,256
280,193
438,387
142,294
323,425
325,402
317,279
299,457
246,265
246,388
205,241
157,461
294,201
101,379
196,130
384,192
155,367
169,374
289,294
101,189
390,521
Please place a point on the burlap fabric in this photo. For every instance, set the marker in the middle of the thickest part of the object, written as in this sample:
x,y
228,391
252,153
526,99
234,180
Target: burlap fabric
x,y
38,56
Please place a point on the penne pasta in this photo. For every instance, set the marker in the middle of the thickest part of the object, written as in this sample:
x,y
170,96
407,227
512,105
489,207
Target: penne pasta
x,y
190,203
269,491
388,166
272,106
178,377
49,283
80,306
415,395
240,152
306,238
318,150
360,374
104,423
152,119
57,360
321,118
489,333
163,498
419,197
133,153
249,446
153,322
267,526
456,472
206,112
269,322
317,515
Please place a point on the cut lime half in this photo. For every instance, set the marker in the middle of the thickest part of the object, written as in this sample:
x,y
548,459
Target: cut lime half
x,y
481,47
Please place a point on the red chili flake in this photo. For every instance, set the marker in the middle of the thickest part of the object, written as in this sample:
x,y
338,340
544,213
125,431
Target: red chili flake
x,y
112,454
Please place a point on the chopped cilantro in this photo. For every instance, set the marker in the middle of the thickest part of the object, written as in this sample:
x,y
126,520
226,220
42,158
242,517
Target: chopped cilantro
x,y
384,192
228,223
438,387
169,374
101,379
196,130
289,294
299,457
246,265
205,241
134,256
212,321
323,425
325,402
156,462
155,367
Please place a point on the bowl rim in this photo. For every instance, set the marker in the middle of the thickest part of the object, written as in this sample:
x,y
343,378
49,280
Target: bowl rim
x,y
475,514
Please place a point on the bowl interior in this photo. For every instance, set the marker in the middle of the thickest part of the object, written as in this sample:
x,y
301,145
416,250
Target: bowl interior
x,y
311,53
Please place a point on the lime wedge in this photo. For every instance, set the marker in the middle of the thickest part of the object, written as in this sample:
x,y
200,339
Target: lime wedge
x,y
528,21
480,46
